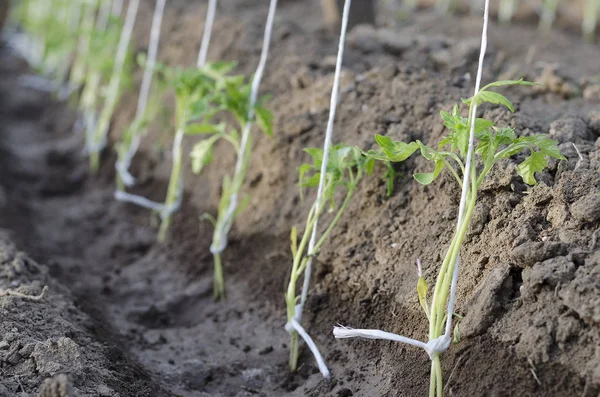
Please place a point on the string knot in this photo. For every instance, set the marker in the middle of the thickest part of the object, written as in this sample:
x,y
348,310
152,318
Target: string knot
x,y
437,345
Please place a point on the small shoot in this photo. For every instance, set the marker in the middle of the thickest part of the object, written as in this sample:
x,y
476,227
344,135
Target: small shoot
x,y
345,169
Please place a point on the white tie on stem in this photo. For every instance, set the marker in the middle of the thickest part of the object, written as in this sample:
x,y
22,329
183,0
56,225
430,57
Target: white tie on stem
x,y
166,211
122,166
229,215
442,343
294,324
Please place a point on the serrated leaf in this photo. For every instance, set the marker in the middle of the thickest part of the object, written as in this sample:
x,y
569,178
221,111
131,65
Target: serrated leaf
x,y
395,151
316,154
548,146
495,98
535,162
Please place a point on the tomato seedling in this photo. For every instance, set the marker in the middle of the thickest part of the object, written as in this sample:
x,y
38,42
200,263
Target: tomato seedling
x,y
493,145
236,100
345,169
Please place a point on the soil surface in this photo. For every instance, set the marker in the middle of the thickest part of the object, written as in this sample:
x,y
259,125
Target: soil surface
x,y
106,310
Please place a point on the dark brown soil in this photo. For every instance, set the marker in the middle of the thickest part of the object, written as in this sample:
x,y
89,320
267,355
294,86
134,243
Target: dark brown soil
x,y
126,316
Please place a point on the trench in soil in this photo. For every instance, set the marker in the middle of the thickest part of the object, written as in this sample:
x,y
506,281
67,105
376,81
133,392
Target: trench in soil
x,y
154,302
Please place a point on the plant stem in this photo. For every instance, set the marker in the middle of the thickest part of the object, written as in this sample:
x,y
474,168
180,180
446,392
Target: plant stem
x,y
435,363
294,351
335,219
219,281
173,190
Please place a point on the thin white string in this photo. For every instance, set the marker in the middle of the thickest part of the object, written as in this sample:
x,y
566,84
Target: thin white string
x,y
208,25
442,343
294,323
220,243
122,165
115,80
467,175
326,148
164,210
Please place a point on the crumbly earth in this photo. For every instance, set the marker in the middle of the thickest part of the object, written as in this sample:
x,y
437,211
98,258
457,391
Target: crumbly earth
x,y
123,315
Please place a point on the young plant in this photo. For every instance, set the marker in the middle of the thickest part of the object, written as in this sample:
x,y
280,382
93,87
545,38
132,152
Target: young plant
x,y
345,169
494,144
198,93
236,101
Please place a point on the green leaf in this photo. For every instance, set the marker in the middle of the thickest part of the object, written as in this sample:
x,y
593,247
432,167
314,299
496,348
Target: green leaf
x,y
198,129
535,162
508,82
395,151
482,124
422,288
201,155
317,156
264,118
495,98
427,178
548,146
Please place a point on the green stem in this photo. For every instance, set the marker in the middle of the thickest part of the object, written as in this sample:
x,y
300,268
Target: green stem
x,y
438,372
173,189
432,380
335,219
219,280
294,351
